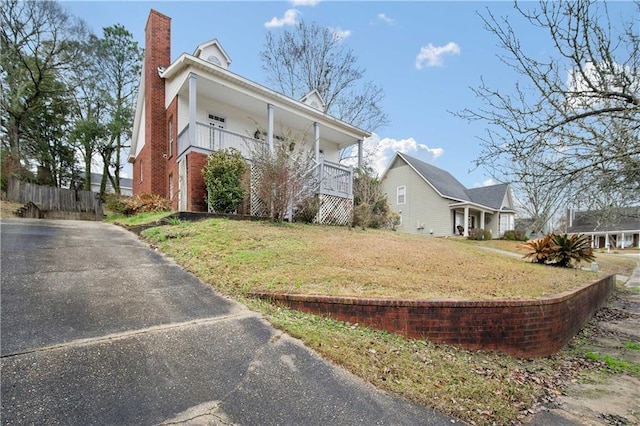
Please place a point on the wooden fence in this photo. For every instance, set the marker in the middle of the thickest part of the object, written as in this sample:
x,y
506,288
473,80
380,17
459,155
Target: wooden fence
x,y
56,202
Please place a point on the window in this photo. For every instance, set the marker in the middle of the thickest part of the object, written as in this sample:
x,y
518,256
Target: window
x,y
170,130
171,186
401,195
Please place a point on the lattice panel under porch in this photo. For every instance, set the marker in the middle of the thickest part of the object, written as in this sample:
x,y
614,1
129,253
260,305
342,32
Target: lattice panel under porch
x,y
335,210
258,208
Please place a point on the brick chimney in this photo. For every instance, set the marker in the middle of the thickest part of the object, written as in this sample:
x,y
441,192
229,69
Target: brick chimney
x,y
149,166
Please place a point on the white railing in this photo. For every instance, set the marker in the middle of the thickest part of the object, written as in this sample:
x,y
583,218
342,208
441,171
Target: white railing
x,y
335,179
331,178
210,138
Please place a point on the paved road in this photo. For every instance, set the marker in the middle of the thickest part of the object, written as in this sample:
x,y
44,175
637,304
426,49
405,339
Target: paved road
x,y
96,328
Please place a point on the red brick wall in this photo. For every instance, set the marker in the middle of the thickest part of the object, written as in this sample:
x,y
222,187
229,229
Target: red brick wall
x,y
196,189
524,328
150,158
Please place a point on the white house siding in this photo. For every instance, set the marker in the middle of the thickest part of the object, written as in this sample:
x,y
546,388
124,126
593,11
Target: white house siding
x,y
140,136
423,204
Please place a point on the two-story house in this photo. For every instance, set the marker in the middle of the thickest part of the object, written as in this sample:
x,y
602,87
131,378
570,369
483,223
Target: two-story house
x,y
195,105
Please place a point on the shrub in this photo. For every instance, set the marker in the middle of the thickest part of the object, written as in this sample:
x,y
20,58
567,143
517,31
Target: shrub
x,y
307,210
223,175
370,202
117,203
147,203
285,175
559,250
512,235
479,234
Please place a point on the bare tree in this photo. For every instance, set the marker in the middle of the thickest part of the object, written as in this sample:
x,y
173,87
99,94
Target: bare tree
x,y
310,58
572,122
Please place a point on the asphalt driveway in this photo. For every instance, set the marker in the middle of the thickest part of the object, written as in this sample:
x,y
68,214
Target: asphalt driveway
x,y
97,328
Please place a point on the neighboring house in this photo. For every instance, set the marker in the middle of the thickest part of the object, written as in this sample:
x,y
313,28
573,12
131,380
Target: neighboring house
x,y
618,228
431,201
126,185
195,105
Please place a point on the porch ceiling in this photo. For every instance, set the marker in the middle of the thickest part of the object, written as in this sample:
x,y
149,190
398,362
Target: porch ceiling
x,y
243,97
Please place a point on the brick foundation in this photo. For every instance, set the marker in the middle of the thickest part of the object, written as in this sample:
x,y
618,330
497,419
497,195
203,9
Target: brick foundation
x,y
522,328
196,189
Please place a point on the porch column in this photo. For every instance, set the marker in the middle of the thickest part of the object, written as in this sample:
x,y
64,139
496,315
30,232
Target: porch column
x,y
481,220
193,83
360,153
316,138
622,240
466,221
606,241
270,128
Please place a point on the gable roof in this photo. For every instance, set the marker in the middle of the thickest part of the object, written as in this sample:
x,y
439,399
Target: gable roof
x,y
215,43
449,187
490,196
441,180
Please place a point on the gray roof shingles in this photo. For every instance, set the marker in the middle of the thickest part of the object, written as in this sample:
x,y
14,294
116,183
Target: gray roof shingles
x,y
449,187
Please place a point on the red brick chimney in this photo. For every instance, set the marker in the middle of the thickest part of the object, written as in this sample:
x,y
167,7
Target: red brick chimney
x,y
149,166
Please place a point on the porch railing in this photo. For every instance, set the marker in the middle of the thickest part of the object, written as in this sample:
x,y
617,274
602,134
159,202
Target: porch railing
x,y
331,178
335,179
210,138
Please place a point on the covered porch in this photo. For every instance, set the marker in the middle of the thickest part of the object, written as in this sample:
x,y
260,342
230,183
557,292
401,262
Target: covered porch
x,y
467,216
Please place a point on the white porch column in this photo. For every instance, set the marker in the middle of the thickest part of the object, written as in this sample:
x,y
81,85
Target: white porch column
x,y
481,220
316,138
359,153
193,86
606,241
270,127
466,221
622,240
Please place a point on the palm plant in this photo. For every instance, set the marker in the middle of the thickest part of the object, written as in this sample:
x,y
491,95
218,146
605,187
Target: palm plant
x,y
570,250
539,250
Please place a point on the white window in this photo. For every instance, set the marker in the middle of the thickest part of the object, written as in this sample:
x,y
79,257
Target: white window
x,y
171,186
401,195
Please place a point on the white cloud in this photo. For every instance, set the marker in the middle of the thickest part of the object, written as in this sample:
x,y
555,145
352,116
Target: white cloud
x,y
384,18
379,152
487,182
339,34
289,18
432,55
305,2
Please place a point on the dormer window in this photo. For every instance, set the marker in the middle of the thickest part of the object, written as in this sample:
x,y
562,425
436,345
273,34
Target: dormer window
x,y
214,60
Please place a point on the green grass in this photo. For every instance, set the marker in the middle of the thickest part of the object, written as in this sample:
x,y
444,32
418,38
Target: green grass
x,y
615,364
634,346
139,219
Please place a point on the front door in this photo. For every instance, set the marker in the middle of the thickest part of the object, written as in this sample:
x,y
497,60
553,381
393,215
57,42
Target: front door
x,y
216,139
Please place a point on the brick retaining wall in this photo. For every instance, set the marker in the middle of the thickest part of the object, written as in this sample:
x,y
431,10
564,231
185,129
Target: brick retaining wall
x,y
523,328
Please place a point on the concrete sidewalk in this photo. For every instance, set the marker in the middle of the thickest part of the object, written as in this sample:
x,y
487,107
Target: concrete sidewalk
x,y
96,328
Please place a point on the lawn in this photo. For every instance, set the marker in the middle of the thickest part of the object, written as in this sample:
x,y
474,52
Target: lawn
x,y
239,256
477,387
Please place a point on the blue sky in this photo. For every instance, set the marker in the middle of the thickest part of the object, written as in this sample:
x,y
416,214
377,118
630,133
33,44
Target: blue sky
x,y
426,55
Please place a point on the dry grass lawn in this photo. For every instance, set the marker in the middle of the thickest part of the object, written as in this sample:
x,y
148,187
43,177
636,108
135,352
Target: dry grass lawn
x,y
293,258
7,208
